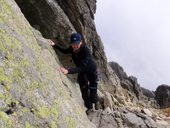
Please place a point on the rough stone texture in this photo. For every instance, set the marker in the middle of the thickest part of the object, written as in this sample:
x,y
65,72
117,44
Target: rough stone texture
x,y
138,95
133,121
162,95
123,119
129,83
58,18
118,70
136,87
32,92
148,93
102,119
108,102
147,112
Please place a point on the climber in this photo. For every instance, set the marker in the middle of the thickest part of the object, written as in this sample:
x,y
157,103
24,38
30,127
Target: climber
x,y
85,67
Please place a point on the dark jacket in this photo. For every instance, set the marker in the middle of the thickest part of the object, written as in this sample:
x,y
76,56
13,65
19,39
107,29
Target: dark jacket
x,y
83,59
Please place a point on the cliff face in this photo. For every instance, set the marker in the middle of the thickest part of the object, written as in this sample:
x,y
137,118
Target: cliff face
x,y
32,92
58,18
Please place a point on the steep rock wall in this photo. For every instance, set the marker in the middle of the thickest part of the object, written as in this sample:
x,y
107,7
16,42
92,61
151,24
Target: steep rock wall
x,y
58,18
32,92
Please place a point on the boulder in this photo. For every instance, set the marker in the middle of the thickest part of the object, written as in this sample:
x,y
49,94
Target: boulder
x,y
162,95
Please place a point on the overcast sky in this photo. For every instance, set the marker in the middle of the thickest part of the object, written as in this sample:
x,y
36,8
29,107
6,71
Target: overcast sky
x,y
136,34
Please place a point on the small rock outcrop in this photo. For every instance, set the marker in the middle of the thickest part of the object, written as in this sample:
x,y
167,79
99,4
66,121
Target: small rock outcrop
x,y
33,94
148,93
118,70
130,83
137,94
124,118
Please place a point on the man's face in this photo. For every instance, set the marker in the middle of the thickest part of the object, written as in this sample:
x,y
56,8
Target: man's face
x,y
76,46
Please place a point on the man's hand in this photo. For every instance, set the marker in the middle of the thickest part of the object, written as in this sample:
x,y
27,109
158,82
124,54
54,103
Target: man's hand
x,y
52,43
64,70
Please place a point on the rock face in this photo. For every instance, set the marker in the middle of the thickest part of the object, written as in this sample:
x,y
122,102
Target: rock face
x,y
148,93
58,18
32,93
129,83
118,70
162,95
137,94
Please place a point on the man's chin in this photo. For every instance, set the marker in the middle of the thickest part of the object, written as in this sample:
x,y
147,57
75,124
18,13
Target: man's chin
x,y
76,50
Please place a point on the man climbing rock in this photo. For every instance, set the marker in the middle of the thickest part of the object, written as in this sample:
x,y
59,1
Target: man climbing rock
x,y
85,67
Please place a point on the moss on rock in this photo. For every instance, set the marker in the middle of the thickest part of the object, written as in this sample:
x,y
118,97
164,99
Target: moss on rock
x,y
5,121
28,78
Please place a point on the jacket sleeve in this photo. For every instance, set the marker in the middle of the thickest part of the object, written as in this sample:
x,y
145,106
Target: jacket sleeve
x,y
63,50
84,62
